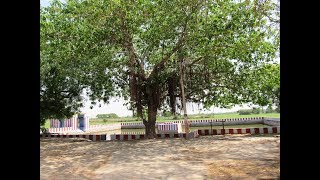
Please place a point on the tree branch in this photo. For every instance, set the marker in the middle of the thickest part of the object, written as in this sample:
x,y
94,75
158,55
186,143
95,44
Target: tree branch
x,y
195,61
179,44
160,65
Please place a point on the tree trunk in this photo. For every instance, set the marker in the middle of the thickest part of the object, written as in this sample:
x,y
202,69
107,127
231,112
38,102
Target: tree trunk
x,y
172,94
151,124
185,116
133,113
153,103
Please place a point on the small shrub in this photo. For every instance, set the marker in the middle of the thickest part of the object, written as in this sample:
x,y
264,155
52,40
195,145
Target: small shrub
x,y
269,110
244,111
256,110
166,114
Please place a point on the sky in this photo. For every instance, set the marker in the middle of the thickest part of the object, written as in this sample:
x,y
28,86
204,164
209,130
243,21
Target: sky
x,y
44,3
116,105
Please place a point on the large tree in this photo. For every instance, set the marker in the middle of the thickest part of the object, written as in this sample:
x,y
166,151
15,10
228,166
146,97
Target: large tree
x,y
71,64
264,85
133,49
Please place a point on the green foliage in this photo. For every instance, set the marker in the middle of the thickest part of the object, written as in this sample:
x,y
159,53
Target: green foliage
x,y
256,110
111,47
245,111
166,114
264,85
107,116
68,64
270,109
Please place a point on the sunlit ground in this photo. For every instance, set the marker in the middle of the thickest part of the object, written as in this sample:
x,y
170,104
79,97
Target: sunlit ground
x,y
207,157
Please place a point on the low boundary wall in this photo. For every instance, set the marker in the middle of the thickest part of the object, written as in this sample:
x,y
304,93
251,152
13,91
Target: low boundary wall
x,y
272,121
107,137
73,129
213,122
266,130
89,128
193,134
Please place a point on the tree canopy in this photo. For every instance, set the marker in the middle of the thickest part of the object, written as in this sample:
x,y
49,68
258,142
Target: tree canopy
x,y
264,85
133,49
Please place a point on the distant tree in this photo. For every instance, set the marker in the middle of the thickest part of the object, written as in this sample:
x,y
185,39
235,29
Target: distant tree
x,y
111,115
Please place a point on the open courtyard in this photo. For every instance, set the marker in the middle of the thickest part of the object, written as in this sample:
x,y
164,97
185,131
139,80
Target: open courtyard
x,y
206,157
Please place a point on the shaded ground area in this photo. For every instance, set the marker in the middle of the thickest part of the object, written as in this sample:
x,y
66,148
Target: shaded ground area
x,y
207,157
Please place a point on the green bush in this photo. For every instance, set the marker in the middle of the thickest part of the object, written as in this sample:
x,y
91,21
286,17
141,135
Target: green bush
x,y
245,111
166,114
256,110
269,109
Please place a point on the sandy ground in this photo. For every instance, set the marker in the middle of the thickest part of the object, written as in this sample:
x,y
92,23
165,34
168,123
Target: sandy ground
x,y
206,157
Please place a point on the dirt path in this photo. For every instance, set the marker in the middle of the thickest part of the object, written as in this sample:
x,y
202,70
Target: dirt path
x,y
207,157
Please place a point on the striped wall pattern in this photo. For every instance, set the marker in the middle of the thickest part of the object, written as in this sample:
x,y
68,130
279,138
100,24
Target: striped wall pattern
x,y
68,126
207,122
169,127
64,130
71,126
121,137
267,130
102,137
135,125
194,134
55,123
106,137
90,128
86,123
132,132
